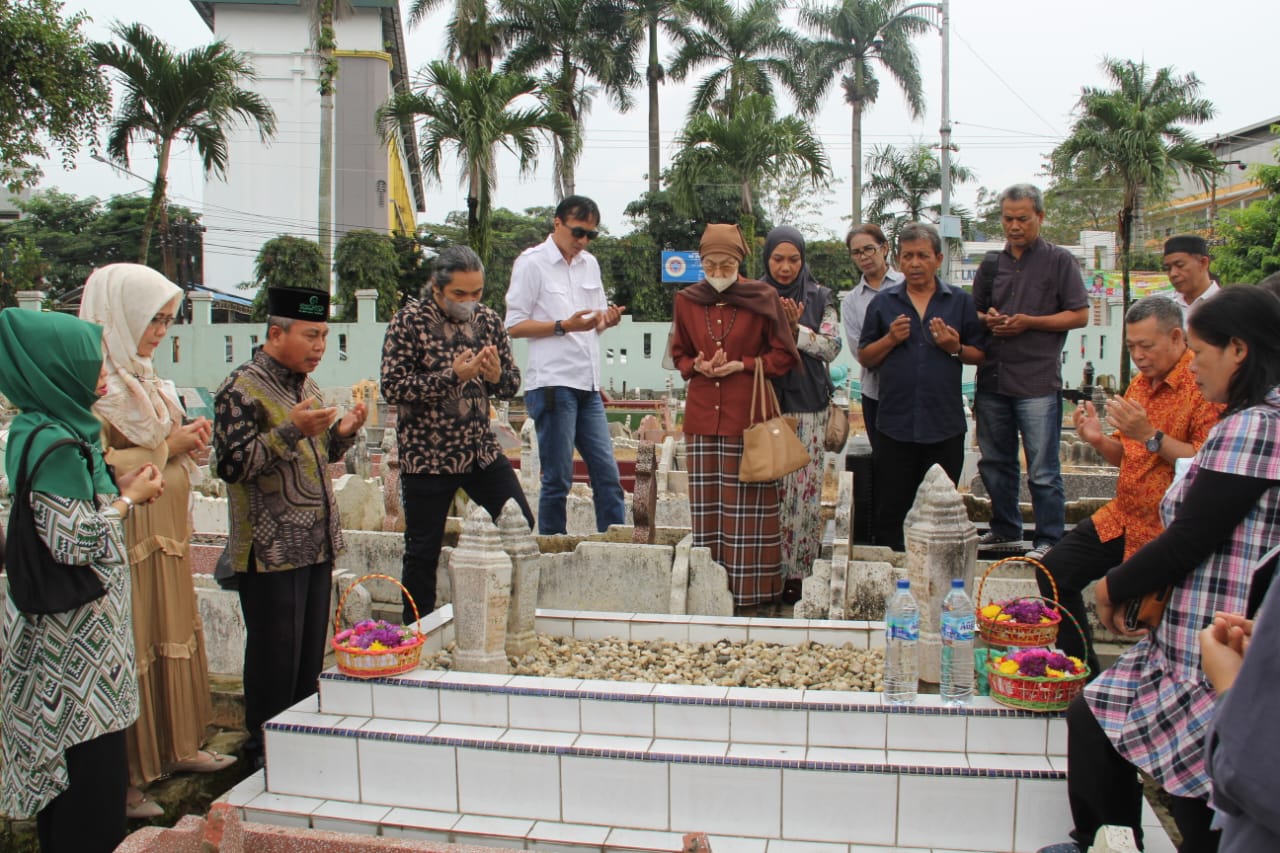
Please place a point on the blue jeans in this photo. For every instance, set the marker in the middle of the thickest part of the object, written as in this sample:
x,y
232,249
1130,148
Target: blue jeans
x,y
1039,419
566,418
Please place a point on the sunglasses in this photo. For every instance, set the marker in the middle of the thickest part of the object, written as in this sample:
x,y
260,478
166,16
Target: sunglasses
x,y
579,232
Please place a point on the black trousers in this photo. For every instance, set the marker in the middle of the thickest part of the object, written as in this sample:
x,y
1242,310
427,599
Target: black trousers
x,y
426,499
899,468
1104,789
88,817
1078,560
286,619
870,408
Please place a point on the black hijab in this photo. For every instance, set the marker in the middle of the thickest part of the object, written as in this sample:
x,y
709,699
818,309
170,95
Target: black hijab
x,y
807,387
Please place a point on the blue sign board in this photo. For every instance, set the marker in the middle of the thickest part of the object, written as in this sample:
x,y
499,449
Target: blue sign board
x,y
681,267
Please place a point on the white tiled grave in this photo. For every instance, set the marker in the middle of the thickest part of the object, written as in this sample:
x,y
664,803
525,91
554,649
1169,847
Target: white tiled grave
x,y
557,763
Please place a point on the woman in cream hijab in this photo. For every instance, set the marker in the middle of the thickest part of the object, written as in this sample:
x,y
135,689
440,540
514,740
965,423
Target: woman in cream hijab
x,y
143,422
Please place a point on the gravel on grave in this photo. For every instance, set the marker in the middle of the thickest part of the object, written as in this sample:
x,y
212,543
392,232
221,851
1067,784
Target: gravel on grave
x,y
811,666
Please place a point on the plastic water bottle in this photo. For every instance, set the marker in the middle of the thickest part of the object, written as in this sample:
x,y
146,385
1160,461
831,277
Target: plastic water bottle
x,y
902,647
956,686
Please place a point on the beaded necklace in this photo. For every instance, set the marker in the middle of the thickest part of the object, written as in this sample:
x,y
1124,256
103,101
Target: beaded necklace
x,y
719,321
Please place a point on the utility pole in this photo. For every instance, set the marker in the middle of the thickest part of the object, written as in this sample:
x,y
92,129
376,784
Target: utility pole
x,y
944,131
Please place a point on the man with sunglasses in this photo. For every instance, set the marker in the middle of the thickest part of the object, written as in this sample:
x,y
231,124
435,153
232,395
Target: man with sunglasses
x,y
557,300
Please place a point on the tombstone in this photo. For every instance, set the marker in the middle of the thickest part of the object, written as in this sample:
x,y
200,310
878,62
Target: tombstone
x,y
393,513
526,571
366,391
942,544
650,429
644,504
666,462
530,466
480,577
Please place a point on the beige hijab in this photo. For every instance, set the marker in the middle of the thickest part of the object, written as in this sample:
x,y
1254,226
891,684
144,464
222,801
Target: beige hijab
x,y
122,298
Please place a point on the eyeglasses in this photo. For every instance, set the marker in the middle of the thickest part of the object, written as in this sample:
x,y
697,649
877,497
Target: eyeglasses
x,y
579,232
162,320
864,252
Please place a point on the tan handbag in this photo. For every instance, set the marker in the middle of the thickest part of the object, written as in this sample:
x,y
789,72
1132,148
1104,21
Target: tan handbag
x,y
770,449
837,434
1145,612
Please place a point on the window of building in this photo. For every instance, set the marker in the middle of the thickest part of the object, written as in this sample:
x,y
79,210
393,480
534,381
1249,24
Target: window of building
x,y
622,356
177,349
648,344
608,356
1102,346
231,350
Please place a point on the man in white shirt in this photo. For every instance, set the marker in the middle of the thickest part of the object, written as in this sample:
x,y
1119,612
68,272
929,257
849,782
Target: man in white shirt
x,y
1186,260
557,300
869,250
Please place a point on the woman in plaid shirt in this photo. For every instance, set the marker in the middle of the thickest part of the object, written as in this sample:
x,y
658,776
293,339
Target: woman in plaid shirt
x,y
1151,711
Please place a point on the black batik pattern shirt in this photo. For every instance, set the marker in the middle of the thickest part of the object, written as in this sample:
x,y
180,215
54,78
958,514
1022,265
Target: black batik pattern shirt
x,y
443,425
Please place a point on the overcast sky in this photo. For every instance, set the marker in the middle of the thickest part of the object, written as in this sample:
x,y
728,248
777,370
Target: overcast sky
x,y
1016,73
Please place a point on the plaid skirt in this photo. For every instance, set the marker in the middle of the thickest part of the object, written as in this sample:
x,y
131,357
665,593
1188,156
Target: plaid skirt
x,y
737,521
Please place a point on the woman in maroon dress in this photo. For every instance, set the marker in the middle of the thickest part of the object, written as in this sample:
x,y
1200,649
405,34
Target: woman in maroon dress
x,y
722,326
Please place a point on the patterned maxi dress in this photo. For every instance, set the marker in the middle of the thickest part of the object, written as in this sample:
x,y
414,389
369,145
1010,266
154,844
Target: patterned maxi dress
x,y
66,678
1156,703
800,492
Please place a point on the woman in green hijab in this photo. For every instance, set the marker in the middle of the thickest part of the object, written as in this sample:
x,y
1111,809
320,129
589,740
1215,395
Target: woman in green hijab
x,y
68,687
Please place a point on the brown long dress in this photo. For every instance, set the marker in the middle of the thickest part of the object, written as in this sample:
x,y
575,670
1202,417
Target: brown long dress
x,y
174,707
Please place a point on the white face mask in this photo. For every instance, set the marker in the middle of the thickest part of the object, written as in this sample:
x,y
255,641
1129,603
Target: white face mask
x,y
721,283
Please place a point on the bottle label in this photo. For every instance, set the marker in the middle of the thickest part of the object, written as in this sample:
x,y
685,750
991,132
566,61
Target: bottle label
x,y
904,629
957,628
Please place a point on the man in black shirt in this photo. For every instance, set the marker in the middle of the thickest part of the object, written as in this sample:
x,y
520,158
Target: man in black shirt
x,y
1034,297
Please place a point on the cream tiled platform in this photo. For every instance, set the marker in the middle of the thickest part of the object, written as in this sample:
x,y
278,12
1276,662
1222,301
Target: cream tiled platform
x,y
603,766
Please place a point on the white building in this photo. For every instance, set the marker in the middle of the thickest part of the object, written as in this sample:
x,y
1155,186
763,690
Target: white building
x,y
275,188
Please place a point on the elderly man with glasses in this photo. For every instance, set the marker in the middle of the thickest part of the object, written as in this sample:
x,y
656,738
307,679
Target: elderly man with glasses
x,y
557,300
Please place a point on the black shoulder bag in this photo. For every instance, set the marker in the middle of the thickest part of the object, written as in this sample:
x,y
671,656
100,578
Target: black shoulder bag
x,y
38,584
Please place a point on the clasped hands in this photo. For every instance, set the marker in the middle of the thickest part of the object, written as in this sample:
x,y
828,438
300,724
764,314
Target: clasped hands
x,y
1223,646
1006,325
944,337
1125,415
312,421
590,318
717,366
191,437
469,364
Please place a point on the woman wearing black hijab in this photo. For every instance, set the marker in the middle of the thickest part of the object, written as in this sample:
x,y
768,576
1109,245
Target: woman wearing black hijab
x,y
804,393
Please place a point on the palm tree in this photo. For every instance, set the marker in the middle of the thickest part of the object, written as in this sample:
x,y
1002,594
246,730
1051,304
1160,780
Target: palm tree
x,y
854,36
472,112
1133,133
193,96
474,36
652,15
574,42
751,51
322,14
903,184
752,144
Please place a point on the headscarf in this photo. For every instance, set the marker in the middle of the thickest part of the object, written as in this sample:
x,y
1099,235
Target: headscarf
x,y
723,239
49,366
754,296
123,298
807,386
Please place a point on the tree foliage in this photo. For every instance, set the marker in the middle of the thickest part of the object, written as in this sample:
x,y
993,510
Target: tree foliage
x,y
1251,237
903,185
51,90
194,96
749,52
578,45
1133,133
366,260
474,113
854,36
751,145
75,235
287,261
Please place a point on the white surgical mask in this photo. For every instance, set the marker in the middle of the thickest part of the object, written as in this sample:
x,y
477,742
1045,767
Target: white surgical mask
x,y
721,283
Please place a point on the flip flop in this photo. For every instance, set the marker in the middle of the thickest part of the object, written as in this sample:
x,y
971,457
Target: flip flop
x,y
212,764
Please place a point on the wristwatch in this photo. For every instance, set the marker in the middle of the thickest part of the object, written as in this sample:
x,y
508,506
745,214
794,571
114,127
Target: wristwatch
x,y
1153,444
956,354
559,329
127,501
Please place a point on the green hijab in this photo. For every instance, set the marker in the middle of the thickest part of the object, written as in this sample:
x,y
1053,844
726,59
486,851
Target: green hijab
x,y
49,367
